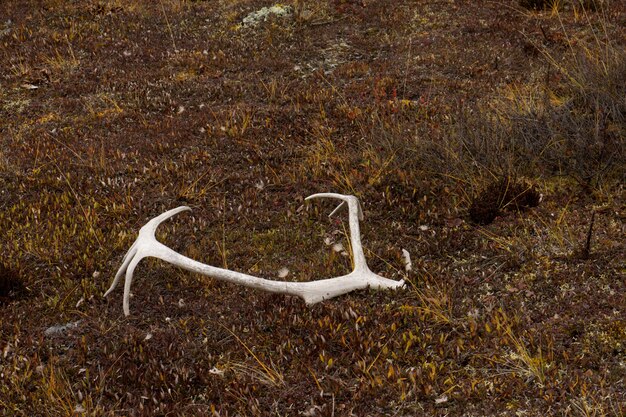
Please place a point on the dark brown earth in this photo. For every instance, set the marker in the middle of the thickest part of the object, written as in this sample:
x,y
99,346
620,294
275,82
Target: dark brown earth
x,y
112,112
505,194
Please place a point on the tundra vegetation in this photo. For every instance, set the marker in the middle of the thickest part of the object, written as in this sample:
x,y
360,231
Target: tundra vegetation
x,y
484,137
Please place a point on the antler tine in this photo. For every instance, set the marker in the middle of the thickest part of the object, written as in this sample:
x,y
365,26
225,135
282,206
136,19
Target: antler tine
x,y
152,225
339,207
346,199
146,234
354,215
125,262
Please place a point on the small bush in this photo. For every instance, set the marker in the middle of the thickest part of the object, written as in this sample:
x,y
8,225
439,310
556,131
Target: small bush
x,y
549,4
573,127
505,194
578,130
10,284
537,4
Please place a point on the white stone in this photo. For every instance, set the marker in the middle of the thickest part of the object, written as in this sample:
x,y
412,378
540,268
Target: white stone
x,y
261,15
61,328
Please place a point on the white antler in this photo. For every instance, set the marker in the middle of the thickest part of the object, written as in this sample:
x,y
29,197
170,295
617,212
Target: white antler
x,y
312,292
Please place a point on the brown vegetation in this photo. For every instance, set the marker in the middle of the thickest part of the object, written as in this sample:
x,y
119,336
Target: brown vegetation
x,y
114,111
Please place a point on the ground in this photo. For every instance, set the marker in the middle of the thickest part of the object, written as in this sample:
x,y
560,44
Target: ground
x,y
112,112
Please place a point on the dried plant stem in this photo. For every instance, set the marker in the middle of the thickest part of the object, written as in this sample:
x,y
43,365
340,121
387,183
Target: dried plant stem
x,y
169,28
587,249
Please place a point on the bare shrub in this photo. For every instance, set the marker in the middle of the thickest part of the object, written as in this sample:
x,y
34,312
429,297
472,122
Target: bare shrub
x,y
573,128
581,132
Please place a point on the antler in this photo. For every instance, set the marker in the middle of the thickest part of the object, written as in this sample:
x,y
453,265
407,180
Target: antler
x,y
312,292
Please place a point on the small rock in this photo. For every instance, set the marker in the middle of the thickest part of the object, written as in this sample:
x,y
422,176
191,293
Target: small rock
x,y
442,399
254,18
314,410
216,371
59,329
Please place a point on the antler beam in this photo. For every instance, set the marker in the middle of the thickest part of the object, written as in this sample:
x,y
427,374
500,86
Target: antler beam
x,y
312,292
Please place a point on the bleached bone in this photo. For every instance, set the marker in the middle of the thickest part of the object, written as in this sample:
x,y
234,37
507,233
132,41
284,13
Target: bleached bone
x,y
312,292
